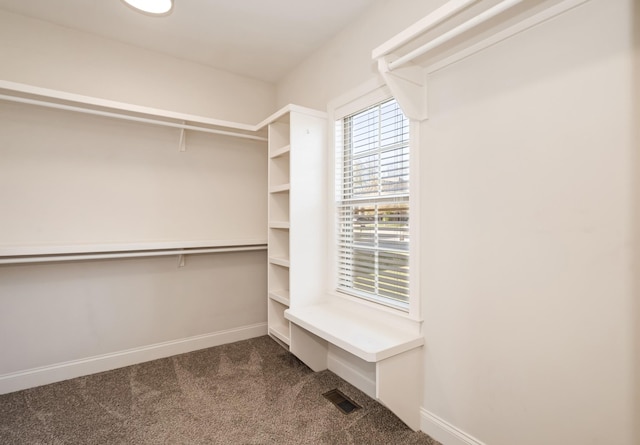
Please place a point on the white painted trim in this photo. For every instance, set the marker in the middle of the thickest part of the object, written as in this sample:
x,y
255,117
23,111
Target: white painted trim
x,y
415,139
367,94
345,371
443,431
30,378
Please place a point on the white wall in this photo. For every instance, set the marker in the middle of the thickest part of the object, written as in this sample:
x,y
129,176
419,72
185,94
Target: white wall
x,y
50,56
72,179
529,175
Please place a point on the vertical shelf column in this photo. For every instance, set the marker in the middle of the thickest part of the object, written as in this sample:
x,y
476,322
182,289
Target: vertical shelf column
x,y
278,230
297,215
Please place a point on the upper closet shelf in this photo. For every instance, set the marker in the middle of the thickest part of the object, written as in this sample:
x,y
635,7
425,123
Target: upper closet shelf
x,y
452,32
44,97
283,114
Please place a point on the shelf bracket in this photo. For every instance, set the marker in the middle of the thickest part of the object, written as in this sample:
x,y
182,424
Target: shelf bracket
x,y
182,146
181,260
408,84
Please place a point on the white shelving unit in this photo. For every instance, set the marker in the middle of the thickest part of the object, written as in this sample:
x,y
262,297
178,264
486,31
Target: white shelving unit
x,y
296,213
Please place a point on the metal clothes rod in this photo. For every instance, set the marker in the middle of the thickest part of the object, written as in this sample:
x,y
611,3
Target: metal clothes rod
x,y
127,117
469,24
45,258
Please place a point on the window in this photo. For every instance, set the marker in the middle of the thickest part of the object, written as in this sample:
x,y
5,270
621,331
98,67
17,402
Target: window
x,y
372,204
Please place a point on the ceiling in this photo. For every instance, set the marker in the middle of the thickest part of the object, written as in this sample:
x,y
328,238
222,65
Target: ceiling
x,y
262,39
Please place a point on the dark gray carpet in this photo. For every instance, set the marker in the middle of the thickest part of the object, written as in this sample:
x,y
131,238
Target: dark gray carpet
x,y
250,392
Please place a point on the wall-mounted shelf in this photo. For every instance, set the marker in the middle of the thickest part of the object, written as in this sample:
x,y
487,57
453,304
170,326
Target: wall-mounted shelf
x,y
280,152
280,332
280,295
279,261
49,254
279,225
49,98
44,97
452,32
282,188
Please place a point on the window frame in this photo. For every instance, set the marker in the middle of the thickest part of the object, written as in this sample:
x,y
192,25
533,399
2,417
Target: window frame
x,y
357,100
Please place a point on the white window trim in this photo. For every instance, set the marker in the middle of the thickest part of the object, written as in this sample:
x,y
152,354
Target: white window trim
x,y
369,94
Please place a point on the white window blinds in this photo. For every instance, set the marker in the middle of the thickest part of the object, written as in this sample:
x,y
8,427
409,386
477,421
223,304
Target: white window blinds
x,y
372,199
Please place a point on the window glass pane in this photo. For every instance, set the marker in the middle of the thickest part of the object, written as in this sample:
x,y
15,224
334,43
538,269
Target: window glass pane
x,y
373,204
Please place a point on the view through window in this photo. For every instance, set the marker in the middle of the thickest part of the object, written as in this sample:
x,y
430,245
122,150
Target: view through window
x,y
372,197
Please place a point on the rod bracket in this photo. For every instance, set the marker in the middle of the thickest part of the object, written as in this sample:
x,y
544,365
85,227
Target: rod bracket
x,y
182,145
408,84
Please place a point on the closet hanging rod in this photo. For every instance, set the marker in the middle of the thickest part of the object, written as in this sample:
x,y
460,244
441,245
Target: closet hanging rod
x,y
420,27
469,24
127,117
46,258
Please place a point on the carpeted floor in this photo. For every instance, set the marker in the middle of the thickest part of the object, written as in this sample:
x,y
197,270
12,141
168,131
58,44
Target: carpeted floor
x,y
250,392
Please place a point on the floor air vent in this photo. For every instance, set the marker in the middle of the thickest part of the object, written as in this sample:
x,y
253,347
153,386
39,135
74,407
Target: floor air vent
x,y
344,403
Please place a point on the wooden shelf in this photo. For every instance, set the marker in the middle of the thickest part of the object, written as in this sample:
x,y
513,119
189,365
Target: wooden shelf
x,y
282,188
278,324
280,152
280,295
279,225
284,262
48,98
281,333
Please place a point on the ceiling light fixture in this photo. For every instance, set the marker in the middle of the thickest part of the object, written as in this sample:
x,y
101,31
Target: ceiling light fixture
x,y
151,7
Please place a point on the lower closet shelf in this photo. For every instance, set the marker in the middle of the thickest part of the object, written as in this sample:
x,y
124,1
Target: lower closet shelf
x,y
281,333
49,254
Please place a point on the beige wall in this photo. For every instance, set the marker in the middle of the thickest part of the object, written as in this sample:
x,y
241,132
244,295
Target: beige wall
x,y
345,62
50,56
67,179
58,313
529,175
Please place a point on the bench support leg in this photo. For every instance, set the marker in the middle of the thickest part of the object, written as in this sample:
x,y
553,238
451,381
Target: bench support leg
x,y
309,348
399,385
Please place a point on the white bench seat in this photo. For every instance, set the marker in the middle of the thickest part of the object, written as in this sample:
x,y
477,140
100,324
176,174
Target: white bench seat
x,y
351,330
392,343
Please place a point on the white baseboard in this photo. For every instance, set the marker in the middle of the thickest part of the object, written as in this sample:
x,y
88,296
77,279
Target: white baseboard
x,y
63,371
443,431
351,374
